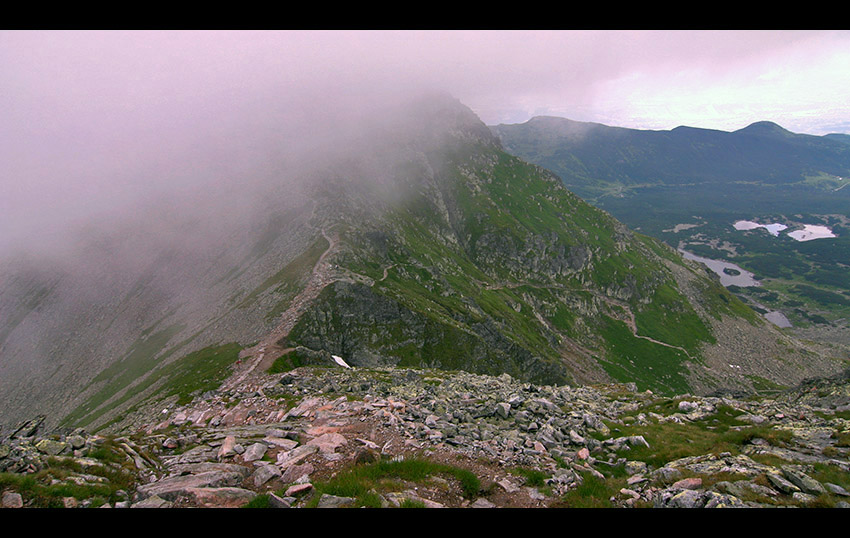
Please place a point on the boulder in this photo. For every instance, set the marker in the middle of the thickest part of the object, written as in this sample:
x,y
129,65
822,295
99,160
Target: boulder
x,y
50,447
227,448
171,488
263,474
12,499
225,497
254,452
803,481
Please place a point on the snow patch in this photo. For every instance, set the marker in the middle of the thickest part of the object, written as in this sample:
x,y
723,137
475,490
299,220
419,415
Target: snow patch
x,y
811,231
774,228
339,361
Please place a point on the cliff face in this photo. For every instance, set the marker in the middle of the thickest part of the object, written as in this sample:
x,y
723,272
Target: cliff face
x,y
414,241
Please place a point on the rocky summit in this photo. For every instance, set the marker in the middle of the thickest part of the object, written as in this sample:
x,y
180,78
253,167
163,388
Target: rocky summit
x,y
334,437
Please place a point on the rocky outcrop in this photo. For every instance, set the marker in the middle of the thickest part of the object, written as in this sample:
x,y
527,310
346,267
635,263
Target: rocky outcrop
x,y
278,440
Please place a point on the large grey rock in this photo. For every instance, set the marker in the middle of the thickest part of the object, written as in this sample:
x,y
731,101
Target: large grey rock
x,y
76,441
781,484
575,438
803,498
835,489
171,488
803,481
666,474
295,456
205,467
50,447
227,448
328,443
635,467
225,497
332,501
254,452
686,406
688,498
263,474
278,502
719,500
28,428
12,499
294,473
481,502
152,502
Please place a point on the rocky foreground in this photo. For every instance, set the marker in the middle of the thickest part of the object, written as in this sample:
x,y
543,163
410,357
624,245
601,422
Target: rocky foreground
x,y
335,437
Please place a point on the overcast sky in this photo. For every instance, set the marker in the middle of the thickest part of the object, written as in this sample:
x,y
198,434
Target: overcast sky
x,y
106,115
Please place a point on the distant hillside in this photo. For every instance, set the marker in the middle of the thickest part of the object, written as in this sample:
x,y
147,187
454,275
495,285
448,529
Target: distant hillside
x,y
688,186
592,157
840,137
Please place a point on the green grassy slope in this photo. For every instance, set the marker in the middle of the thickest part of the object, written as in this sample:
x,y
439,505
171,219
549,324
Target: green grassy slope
x,y
493,266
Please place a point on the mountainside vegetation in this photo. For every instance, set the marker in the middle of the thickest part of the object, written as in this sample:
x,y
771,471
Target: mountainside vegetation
x,y
492,266
689,186
416,242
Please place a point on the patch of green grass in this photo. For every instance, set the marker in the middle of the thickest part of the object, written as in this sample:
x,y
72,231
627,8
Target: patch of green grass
x,y
824,472
671,319
285,363
842,439
107,452
260,501
533,477
197,372
593,492
649,365
371,499
761,384
39,491
361,482
774,436
717,433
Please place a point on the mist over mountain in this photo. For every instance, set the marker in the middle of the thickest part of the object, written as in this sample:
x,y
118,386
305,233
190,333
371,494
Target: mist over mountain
x,y
402,234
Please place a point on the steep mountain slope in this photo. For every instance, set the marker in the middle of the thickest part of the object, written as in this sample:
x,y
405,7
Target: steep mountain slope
x,y
427,245
652,180
689,187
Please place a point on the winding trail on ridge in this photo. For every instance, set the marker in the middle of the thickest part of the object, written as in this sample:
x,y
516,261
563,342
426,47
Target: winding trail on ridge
x,y
630,321
267,350
264,353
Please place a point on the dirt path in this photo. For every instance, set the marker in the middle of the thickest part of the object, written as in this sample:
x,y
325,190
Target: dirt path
x,y
386,270
630,321
264,353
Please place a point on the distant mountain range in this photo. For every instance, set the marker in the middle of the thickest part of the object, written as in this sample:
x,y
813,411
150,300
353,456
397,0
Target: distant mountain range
x,y
591,157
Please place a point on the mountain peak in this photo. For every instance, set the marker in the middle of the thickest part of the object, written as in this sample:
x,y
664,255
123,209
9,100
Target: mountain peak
x,y
764,128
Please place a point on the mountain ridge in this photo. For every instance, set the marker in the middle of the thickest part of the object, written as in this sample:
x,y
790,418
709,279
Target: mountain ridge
x,y
427,246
